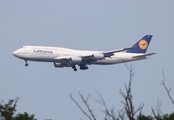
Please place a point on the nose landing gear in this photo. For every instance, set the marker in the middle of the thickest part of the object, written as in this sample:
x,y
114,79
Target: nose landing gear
x,y
26,64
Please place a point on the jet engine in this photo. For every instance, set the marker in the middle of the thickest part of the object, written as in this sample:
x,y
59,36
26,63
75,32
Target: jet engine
x,y
99,56
58,65
75,60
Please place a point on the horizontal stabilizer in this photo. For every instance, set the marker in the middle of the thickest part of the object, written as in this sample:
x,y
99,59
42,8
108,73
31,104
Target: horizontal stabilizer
x,y
145,55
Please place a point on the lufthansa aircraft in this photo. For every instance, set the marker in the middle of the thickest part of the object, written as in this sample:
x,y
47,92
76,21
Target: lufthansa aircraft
x,y
65,57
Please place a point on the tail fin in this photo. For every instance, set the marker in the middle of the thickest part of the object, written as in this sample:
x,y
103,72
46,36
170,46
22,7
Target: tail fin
x,y
141,46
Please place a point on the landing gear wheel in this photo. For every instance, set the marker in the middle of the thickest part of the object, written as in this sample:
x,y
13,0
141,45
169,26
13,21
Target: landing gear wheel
x,y
86,67
26,64
74,68
83,67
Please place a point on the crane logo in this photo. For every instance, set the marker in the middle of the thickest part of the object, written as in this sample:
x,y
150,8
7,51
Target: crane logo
x,y
143,44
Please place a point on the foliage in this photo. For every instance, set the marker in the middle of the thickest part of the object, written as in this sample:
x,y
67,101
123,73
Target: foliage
x,y
8,110
143,117
163,117
24,116
168,117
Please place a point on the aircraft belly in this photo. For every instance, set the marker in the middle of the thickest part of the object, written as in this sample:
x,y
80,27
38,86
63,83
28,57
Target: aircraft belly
x,y
41,59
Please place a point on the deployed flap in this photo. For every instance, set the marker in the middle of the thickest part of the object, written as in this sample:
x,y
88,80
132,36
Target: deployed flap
x,y
145,55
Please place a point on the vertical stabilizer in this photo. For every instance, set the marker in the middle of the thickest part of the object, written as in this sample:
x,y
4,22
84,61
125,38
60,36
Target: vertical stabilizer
x,y
141,46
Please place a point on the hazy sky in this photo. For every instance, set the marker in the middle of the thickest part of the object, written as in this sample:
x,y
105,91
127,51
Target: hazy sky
x,y
91,25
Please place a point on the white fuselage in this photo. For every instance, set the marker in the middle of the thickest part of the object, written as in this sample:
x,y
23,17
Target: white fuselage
x,y
50,54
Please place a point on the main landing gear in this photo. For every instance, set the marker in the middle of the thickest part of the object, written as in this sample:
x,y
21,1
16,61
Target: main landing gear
x,y
26,64
74,68
82,67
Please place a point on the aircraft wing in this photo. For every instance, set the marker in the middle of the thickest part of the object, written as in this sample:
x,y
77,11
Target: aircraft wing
x,y
110,53
145,55
88,59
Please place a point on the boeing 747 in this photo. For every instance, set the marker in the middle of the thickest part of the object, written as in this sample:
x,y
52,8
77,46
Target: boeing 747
x,y
65,57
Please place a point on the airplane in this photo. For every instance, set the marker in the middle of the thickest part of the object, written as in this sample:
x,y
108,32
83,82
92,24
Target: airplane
x,y
65,57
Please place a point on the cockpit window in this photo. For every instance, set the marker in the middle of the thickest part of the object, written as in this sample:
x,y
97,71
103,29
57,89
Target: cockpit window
x,y
26,47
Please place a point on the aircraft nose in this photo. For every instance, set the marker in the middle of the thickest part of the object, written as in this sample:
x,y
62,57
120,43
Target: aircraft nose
x,y
15,53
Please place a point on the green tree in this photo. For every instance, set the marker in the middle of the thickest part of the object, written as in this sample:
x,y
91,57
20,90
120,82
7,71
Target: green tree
x,y
24,116
8,110
168,116
143,117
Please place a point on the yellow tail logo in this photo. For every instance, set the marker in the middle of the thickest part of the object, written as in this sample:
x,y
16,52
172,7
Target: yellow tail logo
x,y
143,44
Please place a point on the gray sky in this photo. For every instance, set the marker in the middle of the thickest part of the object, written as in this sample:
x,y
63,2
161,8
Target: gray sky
x,y
91,25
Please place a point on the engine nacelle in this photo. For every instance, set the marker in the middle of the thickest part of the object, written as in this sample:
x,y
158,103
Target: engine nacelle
x,y
58,65
99,56
75,60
